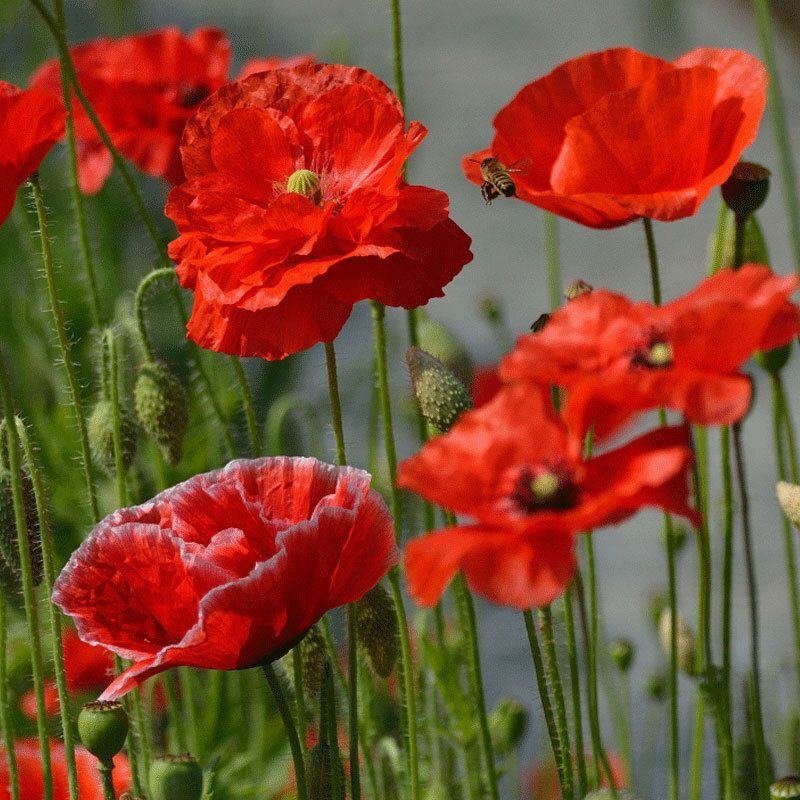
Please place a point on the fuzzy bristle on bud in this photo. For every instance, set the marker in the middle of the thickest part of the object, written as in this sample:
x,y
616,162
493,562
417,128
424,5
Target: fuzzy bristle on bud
x,y
442,398
162,408
789,499
507,725
786,788
376,629
176,778
622,654
9,541
103,726
313,660
686,641
100,428
437,340
746,189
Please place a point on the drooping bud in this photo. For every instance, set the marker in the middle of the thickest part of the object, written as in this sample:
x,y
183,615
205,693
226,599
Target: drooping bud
x,y
537,326
103,726
492,310
441,396
176,778
376,629
656,686
314,659
306,183
789,499
437,340
100,428
507,725
578,288
787,788
162,408
679,535
746,189
622,654
686,641
9,541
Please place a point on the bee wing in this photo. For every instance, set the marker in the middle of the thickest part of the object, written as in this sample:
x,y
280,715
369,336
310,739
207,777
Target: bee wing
x,y
520,165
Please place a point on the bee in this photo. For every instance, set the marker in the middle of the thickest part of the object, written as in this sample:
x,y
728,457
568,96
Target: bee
x,y
497,179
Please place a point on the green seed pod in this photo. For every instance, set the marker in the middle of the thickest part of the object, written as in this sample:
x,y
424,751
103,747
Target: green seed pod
x,y
507,725
306,183
437,340
100,428
376,629
162,408
103,726
441,396
789,499
787,788
319,764
314,659
746,189
176,778
656,686
687,643
622,653
9,542
774,360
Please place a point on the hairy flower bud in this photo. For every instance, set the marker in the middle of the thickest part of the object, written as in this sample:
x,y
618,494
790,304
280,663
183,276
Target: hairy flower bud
x,y
9,541
100,428
376,629
787,788
441,396
746,189
320,763
437,340
679,534
507,725
176,778
577,288
656,686
789,499
622,654
103,726
306,183
687,644
776,359
162,408
655,607
314,659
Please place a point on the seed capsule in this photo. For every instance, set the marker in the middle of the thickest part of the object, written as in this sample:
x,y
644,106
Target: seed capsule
x,y
176,778
441,396
162,408
787,788
746,189
100,429
103,726
376,629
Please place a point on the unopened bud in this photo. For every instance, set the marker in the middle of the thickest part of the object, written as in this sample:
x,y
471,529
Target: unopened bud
x,y
306,183
789,499
441,396
176,778
622,654
320,763
103,726
100,428
162,408
507,725
787,788
686,642
437,340
491,309
678,534
314,659
376,629
774,360
656,686
577,288
655,608
9,541
746,189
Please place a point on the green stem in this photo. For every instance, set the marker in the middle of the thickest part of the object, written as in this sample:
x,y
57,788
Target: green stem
x,y
26,575
780,128
174,709
291,731
299,696
247,405
188,696
696,763
740,224
48,578
64,344
107,779
336,403
553,259
5,709
575,686
397,51
652,257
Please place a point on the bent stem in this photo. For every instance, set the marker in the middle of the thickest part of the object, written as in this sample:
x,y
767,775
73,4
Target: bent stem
x,y
282,704
60,328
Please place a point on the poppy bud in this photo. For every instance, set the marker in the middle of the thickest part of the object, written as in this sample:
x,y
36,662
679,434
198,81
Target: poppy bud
x,y
687,645
622,654
655,607
103,726
507,725
441,396
746,189
162,408
608,794
787,788
437,340
376,629
679,535
176,778
9,542
789,500
656,686
306,183
776,359
314,659
100,428
577,288
537,326
318,768
491,309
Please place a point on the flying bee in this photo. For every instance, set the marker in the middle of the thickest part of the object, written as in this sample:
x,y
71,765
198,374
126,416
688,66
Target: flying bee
x,y
497,178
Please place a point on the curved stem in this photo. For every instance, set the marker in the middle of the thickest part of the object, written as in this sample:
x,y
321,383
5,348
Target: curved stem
x,y
282,704
64,345
5,709
26,574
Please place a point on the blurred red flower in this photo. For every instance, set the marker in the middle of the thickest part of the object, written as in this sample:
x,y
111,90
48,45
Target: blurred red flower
x,y
612,136
228,569
31,122
543,783
295,208
515,467
29,765
617,357
255,65
486,383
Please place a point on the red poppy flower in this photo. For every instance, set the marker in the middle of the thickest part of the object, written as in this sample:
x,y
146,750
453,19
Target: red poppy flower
x,y
29,765
516,468
228,569
612,136
617,357
255,65
295,208
143,89
31,122
486,383
543,783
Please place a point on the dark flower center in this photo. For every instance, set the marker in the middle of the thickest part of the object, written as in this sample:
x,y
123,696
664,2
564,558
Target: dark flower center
x,y
545,488
191,96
